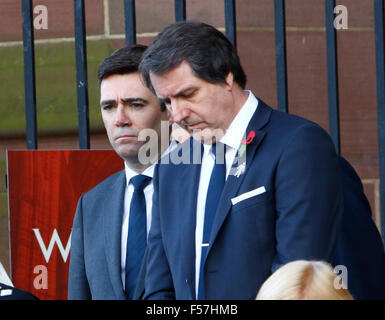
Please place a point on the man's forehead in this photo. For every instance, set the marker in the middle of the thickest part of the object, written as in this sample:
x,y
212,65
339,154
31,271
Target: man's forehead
x,y
174,81
123,85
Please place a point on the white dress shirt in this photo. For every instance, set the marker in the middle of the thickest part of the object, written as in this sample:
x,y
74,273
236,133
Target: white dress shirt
x,y
232,139
148,192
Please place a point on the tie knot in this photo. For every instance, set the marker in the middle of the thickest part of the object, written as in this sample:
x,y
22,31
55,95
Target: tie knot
x,y
140,182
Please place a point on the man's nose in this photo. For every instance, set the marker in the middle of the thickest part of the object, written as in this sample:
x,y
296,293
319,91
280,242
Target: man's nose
x,y
121,116
179,111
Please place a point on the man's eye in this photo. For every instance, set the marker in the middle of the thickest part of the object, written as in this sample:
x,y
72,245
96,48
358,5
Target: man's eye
x,y
189,95
137,105
107,107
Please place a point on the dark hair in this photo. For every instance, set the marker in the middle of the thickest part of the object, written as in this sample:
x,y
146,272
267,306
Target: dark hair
x,y
209,53
123,61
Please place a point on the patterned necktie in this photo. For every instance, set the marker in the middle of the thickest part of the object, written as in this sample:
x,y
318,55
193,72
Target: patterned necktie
x,y
137,234
217,182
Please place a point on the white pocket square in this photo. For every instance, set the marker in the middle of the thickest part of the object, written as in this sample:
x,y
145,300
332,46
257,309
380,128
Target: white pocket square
x,y
248,195
5,292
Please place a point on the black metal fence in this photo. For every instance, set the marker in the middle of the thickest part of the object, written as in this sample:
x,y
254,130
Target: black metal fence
x,y
230,24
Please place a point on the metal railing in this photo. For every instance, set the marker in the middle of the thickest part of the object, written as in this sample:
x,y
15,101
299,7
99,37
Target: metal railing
x,y
230,24
380,74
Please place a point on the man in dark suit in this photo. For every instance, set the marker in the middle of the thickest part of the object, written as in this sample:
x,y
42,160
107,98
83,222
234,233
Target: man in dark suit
x,y
112,220
264,190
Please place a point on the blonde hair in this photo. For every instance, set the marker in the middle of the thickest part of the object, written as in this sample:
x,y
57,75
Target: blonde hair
x,y
303,280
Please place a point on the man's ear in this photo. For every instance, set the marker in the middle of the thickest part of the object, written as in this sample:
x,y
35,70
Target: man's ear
x,y
230,80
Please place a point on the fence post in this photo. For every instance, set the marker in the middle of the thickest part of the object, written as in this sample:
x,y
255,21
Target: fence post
x,y
280,52
332,74
130,21
81,74
180,10
231,21
380,71
29,74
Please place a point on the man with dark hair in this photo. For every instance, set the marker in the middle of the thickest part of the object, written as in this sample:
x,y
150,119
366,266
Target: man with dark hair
x,y
209,61
112,220
265,193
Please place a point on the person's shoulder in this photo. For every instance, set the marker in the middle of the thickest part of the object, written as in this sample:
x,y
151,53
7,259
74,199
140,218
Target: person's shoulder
x,y
106,184
284,121
285,116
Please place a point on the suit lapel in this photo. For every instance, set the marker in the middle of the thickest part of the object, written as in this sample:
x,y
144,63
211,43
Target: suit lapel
x,y
258,121
188,224
113,215
189,193
191,171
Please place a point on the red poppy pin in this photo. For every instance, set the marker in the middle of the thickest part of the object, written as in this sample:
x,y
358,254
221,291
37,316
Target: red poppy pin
x,y
248,140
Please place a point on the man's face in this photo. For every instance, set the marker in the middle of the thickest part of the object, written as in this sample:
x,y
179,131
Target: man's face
x,y
203,108
128,107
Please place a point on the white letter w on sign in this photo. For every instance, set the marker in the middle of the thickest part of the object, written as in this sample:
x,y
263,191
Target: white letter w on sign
x,y
55,238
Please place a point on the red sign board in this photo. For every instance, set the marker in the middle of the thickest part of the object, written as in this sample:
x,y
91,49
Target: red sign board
x,y
43,191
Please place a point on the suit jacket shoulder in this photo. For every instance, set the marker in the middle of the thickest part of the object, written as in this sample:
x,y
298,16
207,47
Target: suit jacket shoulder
x,y
95,243
100,189
108,196
284,123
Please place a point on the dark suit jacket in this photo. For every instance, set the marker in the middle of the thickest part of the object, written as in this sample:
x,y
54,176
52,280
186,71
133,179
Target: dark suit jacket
x,y
296,218
359,245
95,268
16,294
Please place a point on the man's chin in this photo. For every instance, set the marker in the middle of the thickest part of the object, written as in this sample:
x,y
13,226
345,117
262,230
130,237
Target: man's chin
x,y
127,153
142,154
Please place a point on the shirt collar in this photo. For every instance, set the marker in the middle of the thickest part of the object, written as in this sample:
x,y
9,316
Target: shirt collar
x,y
237,129
149,172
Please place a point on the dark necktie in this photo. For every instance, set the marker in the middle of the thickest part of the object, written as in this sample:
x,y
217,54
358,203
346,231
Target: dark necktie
x,y
137,234
217,181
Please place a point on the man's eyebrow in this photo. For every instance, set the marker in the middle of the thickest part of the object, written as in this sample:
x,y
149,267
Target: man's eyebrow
x,y
106,102
124,100
181,92
135,99
184,90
